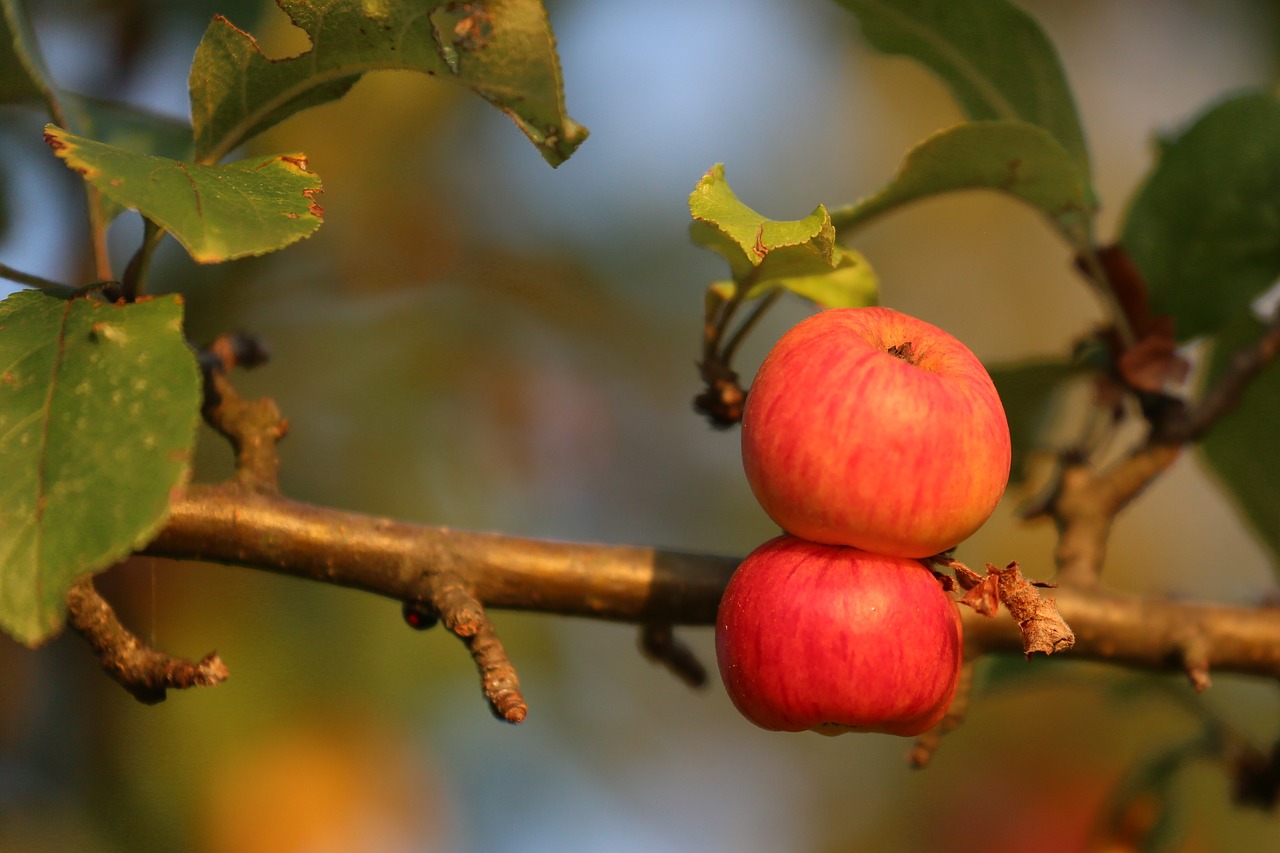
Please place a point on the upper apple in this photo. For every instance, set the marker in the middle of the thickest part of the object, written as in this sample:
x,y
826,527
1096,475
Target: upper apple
x,y
871,428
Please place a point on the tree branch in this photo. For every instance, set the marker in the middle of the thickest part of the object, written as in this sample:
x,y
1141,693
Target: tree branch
x,y
660,644
226,524
1224,396
457,575
144,672
1086,502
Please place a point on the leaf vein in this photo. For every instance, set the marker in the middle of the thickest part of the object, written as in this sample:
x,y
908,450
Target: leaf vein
x,y
43,457
985,88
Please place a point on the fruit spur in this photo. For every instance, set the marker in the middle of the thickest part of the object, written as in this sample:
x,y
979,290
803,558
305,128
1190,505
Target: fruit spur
x,y
874,440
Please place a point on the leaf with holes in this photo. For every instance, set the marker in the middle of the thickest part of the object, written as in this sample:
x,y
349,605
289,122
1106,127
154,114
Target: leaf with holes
x,y
98,411
799,255
217,213
1012,157
993,56
504,50
1204,229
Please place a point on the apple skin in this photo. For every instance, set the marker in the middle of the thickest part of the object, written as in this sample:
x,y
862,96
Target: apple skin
x,y
834,639
846,443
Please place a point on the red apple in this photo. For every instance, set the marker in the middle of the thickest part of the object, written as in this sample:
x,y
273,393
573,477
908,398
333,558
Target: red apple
x,y
836,639
871,428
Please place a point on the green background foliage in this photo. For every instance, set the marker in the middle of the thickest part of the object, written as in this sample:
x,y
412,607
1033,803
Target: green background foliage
x,y
1202,228
1241,448
476,341
992,55
22,69
1010,157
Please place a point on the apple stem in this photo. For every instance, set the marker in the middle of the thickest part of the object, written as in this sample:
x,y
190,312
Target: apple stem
x,y
749,323
724,396
905,351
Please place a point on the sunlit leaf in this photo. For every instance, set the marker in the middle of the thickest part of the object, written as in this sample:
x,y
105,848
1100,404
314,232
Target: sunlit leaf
x,y
98,410
993,56
218,213
23,76
1241,448
1204,229
851,284
502,49
799,255
1011,157
747,239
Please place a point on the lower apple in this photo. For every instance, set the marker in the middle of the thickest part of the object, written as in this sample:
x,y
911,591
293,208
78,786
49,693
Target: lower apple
x,y
834,639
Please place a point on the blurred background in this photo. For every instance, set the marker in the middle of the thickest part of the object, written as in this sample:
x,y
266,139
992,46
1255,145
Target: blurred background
x,y
476,340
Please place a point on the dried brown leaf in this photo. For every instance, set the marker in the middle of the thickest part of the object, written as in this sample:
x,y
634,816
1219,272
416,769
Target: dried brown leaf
x,y
1153,361
967,577
1043,629
1125,281
947,582
984,598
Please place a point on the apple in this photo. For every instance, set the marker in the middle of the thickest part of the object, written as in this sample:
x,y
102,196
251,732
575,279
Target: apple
x,y
871,428
834,639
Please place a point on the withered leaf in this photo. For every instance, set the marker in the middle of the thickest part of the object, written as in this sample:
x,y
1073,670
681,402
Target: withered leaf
x,y
1043,629
1153,360
947,582
984,598
967,577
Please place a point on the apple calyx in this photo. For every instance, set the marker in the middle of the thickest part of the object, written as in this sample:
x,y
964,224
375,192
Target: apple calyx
x,y
905,351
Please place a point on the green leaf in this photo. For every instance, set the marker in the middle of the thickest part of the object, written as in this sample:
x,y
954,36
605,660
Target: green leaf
x,y
852,284
218,213
1204,229
1030,392
502,49
1241,447
799,255
993,56
23,76
1011,157
98,411
127,127
747,239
